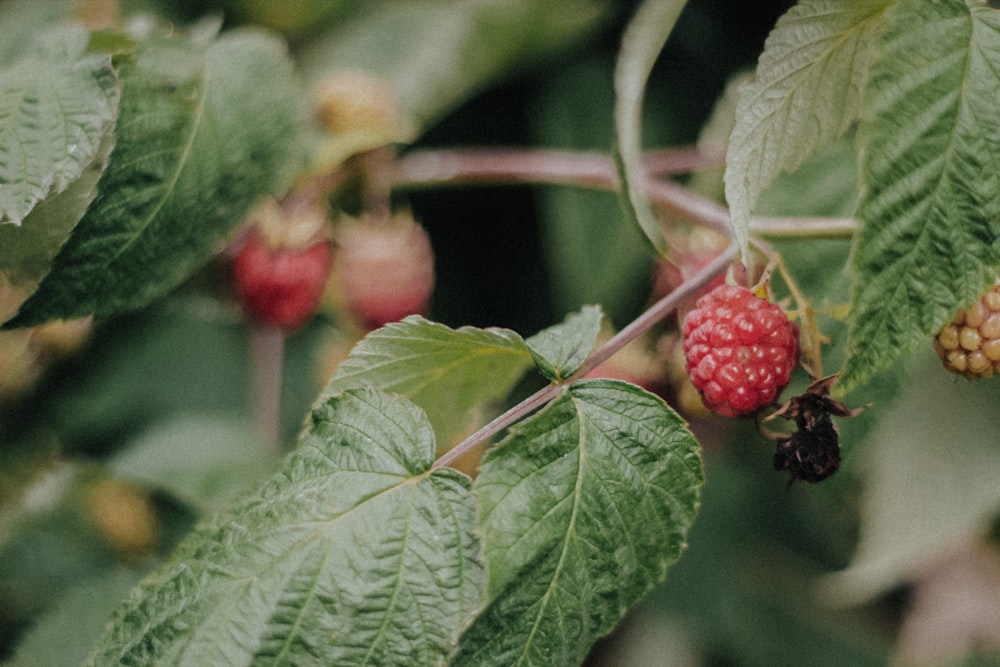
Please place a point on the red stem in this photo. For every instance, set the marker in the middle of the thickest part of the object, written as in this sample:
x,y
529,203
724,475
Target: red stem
x,y
443,168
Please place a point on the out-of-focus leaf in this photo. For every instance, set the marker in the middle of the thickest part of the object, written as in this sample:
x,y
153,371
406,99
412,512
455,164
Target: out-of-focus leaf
x,y
355,553
48,540
206,461
56,107
445,371
62,637
742,589
186,168
582,509
641,45
930,480
22,21
435,54
561,349
292,18
593,253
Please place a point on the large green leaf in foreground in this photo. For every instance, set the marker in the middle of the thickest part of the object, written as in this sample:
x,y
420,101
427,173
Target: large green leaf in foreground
x,y
930,203
202,134
354,553
582,508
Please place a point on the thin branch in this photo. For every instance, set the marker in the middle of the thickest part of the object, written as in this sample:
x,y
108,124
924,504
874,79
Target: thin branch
x,y
658,311
429,168
814,228
452,167
640,325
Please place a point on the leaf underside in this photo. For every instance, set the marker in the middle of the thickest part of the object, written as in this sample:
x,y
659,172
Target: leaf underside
x,y
55,110
806,91
930,200
582,508
641,45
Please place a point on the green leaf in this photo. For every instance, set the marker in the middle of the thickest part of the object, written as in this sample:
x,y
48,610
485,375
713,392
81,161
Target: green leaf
x,y
204,460
62,636
186,169
354,553
445,371
437,54
55,109
641,45
27,250
930,481
23,21
930,175
582,509
806,92
560,350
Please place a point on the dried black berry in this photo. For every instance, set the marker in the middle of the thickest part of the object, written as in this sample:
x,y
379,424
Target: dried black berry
x,y
812,453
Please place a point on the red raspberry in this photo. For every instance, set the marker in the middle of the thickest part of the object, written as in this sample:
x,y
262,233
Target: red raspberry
x,y
739,350
280,285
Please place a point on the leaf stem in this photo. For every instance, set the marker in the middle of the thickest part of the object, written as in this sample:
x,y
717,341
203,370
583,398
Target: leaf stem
x,y
636,328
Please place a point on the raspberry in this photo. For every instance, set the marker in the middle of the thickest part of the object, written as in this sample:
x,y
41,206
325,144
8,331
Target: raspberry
x,y
739,350
385,270
970,344
280,285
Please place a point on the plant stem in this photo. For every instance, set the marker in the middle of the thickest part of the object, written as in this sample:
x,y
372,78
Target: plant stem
x,y
267,346
429,168
636,328
445,168
658,311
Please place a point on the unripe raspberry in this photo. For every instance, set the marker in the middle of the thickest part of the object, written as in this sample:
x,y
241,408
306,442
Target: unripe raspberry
x,y
61,338
355,101
970,344
739,350
124,515
385,271
281,267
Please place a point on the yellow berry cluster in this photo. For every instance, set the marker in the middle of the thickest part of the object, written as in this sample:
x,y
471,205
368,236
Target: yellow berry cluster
x,y
970,344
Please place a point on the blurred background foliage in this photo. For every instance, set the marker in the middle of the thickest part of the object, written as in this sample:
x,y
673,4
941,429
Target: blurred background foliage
x,y
111,451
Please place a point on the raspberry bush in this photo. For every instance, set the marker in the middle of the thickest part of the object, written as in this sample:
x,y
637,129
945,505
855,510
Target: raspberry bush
x,y
252,411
